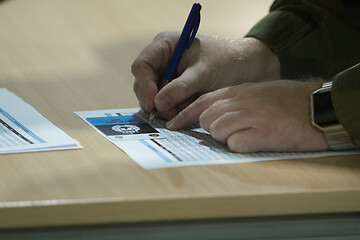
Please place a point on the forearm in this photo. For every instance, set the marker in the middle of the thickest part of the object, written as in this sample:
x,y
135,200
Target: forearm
x,y
310,37
258,61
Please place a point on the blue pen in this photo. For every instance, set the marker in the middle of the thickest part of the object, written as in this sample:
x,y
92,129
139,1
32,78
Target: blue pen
x,y
186,38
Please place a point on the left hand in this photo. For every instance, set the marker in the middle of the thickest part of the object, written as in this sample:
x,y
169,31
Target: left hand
x,y
251,117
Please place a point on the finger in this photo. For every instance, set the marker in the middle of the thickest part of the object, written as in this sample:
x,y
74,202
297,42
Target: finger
x,y
145,83
152,60
167,114
148,67
191,113
256,140
186,103
139,95
230,123
146,90
188,115
247,141
178,90
223,103
213,112
174,111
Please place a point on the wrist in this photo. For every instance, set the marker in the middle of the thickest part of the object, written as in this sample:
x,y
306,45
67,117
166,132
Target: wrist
x,y
262,62
324,118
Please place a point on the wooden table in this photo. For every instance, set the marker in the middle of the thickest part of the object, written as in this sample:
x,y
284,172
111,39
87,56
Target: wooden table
x,y
65,56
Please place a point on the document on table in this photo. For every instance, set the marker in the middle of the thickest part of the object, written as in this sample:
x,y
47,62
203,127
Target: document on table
x,y
23,129
162,148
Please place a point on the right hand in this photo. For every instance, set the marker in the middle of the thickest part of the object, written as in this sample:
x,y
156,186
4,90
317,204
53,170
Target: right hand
x,y
209,64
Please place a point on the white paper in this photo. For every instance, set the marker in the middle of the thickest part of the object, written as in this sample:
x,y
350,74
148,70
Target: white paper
x,y
23,129
189,147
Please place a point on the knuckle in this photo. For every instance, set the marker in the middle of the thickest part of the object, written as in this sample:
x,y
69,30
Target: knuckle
x,y
228,118
135,86
165,36
160,46
203,122
222,127
230,91
238,144
180,88
165,43
217,132
136,66
183,85
234,145
198,105
202,99
206,100
217,105
161,35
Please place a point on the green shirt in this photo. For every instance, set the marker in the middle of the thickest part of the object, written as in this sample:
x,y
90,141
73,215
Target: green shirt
x,y
318,38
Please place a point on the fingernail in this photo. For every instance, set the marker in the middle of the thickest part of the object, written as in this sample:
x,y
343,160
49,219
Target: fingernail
x,y
162,104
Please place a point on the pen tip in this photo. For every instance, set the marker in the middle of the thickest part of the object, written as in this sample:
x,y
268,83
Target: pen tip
x,y
151,118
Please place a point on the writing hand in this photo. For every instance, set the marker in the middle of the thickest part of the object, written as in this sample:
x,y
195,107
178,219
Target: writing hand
x,y
209,64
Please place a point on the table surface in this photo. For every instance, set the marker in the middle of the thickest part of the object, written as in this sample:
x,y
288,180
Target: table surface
x,y
65,56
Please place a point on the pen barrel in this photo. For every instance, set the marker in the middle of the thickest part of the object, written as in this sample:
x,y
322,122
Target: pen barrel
x,y
187,35
163,84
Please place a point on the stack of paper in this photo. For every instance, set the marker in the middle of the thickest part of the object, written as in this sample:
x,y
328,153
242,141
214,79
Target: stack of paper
x,y
23,129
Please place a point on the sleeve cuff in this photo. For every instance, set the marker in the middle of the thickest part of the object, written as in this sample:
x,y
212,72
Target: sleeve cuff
x,y
345,96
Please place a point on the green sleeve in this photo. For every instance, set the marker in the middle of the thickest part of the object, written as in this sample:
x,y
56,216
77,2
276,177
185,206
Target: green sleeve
x,y
312,38
346,99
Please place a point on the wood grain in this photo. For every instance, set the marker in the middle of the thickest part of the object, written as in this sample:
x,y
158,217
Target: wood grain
x,y
65,56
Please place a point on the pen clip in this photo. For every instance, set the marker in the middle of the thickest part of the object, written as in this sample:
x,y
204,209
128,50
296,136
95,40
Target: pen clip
x,y
195,27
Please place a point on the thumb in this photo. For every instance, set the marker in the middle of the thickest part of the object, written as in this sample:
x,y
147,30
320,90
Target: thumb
x,y
178,90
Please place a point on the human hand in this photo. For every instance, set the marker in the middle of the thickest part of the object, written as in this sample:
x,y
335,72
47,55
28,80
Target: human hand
x,y
209,64
251,117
